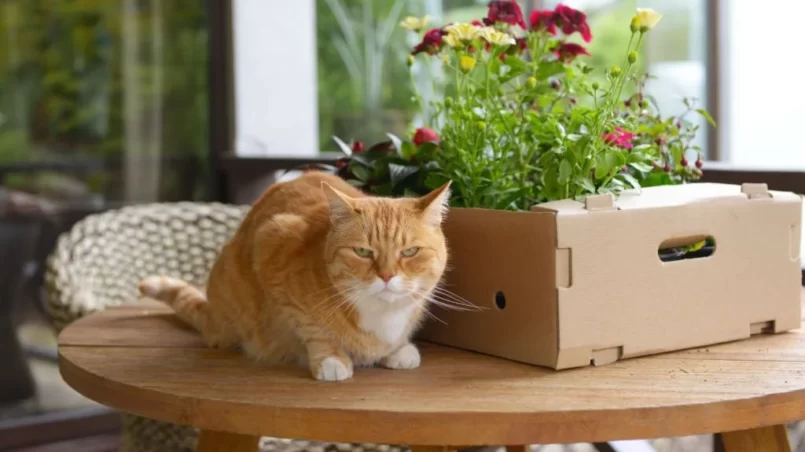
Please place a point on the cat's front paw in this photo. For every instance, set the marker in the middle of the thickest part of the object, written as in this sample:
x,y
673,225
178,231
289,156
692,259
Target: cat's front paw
x,y
406,357
332,368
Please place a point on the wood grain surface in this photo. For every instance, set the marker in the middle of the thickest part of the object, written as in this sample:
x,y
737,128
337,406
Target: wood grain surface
x,y
455,398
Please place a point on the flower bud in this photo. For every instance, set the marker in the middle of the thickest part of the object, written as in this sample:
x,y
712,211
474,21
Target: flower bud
x,y
699,162
632,57
596,86
481,125
615,71
555,84
624,169
667,168
661,140
634,26
448,102
531,82
572,100
466,63
684,161
644,104
410,60
627,103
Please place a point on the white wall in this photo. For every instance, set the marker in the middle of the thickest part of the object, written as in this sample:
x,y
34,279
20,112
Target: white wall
x,y
276,104
763,88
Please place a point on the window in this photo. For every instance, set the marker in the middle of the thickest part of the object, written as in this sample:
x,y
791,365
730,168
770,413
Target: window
x,y
116,91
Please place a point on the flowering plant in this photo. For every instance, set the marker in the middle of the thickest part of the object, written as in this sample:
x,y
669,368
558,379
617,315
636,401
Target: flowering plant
x,y
523,123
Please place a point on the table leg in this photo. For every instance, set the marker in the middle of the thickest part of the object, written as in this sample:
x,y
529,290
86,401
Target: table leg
x,y
211,441
765,439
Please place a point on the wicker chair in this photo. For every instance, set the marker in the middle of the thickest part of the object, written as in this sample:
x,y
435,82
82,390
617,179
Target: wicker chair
x,y
98,264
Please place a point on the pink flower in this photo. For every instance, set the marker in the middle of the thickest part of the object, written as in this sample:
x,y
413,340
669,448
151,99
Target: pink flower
x,y
425,135
568,50
572,20
358,147
620,138
543,19
507,11
431,42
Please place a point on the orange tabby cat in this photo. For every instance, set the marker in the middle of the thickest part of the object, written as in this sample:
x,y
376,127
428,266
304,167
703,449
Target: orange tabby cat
x,y
321,274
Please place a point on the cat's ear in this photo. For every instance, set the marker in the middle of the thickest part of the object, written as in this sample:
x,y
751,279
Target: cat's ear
x,y
434,204
341,205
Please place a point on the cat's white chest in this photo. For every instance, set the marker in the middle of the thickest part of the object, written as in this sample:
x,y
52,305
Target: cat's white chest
x,y
387,324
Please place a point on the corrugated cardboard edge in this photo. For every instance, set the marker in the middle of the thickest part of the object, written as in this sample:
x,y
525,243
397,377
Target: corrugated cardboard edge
x,y
510,252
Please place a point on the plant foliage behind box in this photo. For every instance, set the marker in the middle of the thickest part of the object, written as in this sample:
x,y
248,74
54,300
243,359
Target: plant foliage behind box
x,y
570,284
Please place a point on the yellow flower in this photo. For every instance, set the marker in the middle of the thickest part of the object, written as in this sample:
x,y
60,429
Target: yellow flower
x,y
467,63
453,41
414,23
495,37
646,18
462,32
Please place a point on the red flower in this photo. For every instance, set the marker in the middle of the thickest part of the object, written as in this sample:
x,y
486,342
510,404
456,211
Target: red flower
x,y
568,50
425,135
341,163
543,19
507,11
358,147
477,23
619,137
572,20
522,44
431,42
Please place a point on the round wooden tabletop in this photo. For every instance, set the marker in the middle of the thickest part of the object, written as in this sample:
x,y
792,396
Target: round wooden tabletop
x,y
140,359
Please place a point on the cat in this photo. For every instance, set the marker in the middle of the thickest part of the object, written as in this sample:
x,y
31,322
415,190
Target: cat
x,y
321,274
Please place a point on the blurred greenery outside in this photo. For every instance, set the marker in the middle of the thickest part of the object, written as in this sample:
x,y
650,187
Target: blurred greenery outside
x,y
63,89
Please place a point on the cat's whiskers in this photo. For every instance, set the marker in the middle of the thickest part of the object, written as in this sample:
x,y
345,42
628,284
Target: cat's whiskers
x,y
444,293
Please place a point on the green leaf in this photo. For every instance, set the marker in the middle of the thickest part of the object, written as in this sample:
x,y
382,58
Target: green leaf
x,y
408,149
586,184
642,167
565,171
641,147
343,146
399,173
561,129
549,69
574,137
706,116
631,180
396,141
361,172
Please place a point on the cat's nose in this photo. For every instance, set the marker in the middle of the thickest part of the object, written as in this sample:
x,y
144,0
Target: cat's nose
x,y
386,277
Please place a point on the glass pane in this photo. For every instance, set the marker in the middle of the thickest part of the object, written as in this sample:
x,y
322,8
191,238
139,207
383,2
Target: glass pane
x,y
102,103
116,90
364,82
361,96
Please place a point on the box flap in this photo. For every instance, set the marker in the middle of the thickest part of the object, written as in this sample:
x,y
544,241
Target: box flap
x,y
671,195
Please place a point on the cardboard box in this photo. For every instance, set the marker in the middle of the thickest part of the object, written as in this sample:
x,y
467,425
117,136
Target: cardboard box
x,y
571,284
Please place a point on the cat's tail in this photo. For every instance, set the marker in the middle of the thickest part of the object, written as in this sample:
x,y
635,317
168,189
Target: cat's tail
x,y
188,301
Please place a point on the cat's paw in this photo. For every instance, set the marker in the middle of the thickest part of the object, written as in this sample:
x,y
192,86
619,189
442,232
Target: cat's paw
x,y
407,357
332,369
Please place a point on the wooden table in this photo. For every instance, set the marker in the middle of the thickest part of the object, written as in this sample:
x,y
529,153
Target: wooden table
x,y
140,359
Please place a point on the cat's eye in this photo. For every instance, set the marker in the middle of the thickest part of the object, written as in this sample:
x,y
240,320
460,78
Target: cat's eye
x,y
410,252
363,252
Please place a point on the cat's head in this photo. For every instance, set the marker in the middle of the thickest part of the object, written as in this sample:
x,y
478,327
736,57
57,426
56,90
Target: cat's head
x,y
386,250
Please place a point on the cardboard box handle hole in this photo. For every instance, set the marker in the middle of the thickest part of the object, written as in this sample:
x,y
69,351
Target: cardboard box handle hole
x,y
686,248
